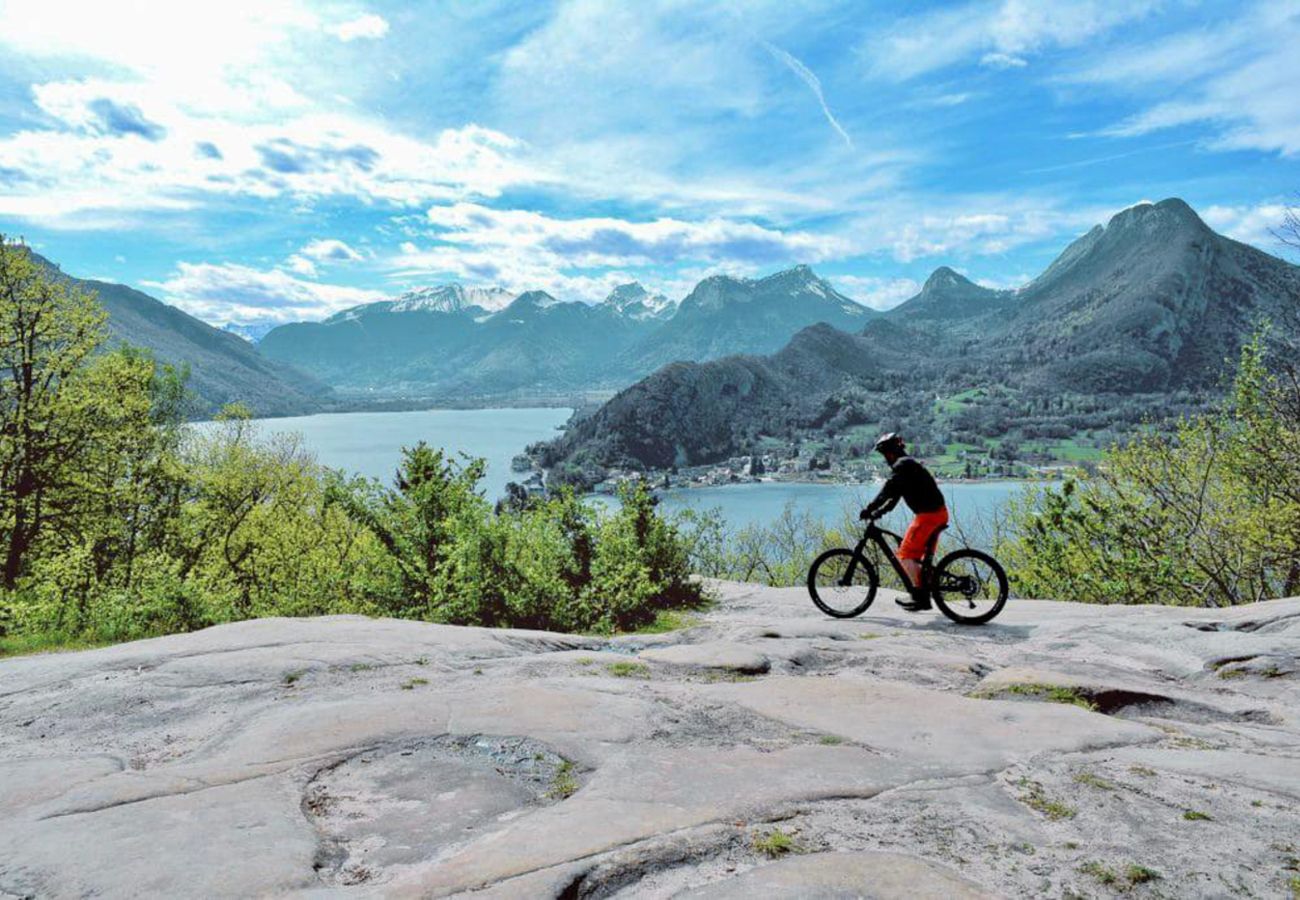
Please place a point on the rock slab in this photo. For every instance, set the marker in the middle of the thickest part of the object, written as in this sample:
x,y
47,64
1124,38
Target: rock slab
x,y
1063,750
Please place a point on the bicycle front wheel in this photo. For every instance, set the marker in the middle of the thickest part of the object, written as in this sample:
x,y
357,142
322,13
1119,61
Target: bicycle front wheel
x,y
842,584
970,587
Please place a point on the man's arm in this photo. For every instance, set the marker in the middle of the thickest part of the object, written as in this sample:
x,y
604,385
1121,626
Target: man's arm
x,y
886,500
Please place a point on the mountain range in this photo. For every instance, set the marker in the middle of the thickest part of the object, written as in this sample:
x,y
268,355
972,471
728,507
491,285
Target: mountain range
x,y
224,368
1152,304
461,346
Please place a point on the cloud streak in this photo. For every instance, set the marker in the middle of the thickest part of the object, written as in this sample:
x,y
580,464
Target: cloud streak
x,y
814,84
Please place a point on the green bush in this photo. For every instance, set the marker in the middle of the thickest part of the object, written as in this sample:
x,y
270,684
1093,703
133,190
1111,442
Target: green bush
x,y
1206,516
551,564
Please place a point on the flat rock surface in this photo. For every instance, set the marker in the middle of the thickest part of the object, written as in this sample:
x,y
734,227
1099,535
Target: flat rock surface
x,y
729,655
1061,751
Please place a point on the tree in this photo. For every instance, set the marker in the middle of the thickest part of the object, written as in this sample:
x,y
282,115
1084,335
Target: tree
x,y
48,330
1206,516
1288,232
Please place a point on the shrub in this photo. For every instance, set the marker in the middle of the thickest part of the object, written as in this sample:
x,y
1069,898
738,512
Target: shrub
x,y
1207,516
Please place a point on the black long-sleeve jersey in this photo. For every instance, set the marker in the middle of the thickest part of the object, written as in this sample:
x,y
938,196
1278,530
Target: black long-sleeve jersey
x,y
911,482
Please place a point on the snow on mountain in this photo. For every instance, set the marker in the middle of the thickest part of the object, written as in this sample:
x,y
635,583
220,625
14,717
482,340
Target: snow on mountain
x,y
635,301
250,331
452,298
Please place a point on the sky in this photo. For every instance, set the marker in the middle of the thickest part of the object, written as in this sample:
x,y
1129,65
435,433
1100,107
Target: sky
x,y
279,160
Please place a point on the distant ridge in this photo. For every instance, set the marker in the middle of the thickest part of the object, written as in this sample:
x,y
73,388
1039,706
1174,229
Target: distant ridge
x,y
224,367
1152,302
451,340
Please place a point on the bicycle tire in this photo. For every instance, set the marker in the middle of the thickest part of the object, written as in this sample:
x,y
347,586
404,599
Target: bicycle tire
x,y
949,602
862,567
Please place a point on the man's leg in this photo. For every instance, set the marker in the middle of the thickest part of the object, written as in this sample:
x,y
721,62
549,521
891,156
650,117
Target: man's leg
x,y
913,569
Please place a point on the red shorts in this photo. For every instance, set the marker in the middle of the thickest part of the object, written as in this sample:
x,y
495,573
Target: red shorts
x,y
918,534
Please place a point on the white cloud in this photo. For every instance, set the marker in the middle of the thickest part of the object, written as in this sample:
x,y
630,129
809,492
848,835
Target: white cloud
x,y
1249,224
603,241
1003,61
301,265
369,26
228,292
214,100
143,152
585,258
999,34
330,250
978,227
1237,82
877,292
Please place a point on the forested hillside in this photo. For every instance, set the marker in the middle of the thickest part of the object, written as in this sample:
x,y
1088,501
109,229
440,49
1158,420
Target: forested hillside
x,y
1138,321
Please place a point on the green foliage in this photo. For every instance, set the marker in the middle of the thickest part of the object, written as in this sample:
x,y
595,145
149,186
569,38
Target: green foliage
x,y
117,521
777,554
1053,693
1207,516
1093,780
564,783
1036,798
628,670
775,843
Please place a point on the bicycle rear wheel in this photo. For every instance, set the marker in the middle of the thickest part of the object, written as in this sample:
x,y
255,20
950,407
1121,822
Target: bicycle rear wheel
x,y
970,587
842,584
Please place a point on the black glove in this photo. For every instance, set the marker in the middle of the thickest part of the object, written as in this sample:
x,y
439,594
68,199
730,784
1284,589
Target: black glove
x,y
866,515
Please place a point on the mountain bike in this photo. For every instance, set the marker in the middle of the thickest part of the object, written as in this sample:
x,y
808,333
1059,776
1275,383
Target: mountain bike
x,y
968,586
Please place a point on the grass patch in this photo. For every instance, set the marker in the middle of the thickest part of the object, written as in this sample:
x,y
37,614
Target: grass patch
x,y
628,669
1195,815
830,740
292,677
870,636
564,783
46,642
1226,674
1053,693
775,843
1187,742
666,620
1132,875
414,683
726,676
1135,874
1103,873
585,660
1294,884
1037,799
1144,771
360,667
1093,780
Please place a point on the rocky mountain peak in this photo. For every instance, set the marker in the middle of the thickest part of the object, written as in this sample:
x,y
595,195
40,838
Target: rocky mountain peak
x,y
450,298
1152,218
634,300
944,278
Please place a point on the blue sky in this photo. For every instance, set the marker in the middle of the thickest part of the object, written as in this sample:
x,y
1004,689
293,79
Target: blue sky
x,y
280,160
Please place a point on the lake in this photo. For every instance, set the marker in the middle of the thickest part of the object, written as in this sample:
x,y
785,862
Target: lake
x,y
370,444
972,505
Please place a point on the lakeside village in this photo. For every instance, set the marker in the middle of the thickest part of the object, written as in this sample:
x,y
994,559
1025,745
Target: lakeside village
x,y
974,464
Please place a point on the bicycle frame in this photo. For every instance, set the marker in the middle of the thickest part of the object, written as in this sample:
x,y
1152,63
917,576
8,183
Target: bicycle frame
x,y
877,535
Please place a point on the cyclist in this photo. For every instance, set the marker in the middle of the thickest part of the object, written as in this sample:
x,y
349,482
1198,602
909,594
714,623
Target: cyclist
x,y
911,482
